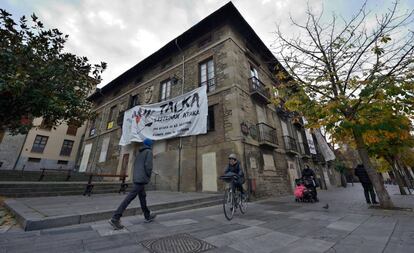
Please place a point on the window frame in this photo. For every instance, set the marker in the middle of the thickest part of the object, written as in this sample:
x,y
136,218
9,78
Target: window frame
x,y
208,81
66,150
163,92
37,146
72,130
133,101
111,116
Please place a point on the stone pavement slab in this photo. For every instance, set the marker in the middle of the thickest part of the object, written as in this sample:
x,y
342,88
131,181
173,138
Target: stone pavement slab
x,y
272,225
265,243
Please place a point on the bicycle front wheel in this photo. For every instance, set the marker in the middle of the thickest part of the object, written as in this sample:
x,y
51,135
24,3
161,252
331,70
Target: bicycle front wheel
x,y
243,203
228,204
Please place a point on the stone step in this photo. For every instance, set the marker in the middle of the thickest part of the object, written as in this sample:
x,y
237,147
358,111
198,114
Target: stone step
x,y
39,189
15,175
50,194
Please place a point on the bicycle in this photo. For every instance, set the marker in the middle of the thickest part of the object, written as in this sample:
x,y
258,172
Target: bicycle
x,y
233,198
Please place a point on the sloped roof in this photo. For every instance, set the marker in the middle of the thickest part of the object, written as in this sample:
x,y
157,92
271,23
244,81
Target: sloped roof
x,y
227,12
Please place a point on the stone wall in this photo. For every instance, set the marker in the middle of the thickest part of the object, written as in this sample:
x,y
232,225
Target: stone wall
x,y
10,147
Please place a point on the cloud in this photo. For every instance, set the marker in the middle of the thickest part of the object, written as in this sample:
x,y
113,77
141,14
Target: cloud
x,y
122,33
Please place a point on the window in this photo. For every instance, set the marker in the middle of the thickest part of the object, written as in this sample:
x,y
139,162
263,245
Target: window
x,y
34,160
206,70
94,123
66,148
62,162
253,72
111,117
72,130
133,101
210,119
165,90
254,75
39,144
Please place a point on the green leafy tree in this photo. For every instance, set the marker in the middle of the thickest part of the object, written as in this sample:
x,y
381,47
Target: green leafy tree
x,y
338,73
38,78
389,141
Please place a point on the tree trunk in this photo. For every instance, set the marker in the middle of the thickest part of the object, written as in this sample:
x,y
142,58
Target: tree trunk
x,y
399,180
396,174
404,176
383,196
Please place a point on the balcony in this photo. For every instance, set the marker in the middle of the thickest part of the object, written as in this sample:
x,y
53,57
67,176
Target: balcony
x,y
267,135
290,145
258,90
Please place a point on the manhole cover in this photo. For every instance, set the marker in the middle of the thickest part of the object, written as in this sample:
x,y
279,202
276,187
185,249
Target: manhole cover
x,y
180,243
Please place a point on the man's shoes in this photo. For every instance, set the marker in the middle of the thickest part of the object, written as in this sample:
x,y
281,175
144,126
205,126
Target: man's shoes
x,y
150,218
375,203
369,202
116,224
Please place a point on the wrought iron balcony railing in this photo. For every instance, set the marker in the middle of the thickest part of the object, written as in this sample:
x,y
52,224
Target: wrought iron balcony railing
x,y
290,144
258,90
267,135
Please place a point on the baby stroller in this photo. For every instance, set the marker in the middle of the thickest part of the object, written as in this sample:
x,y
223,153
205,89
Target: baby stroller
x,y
302,193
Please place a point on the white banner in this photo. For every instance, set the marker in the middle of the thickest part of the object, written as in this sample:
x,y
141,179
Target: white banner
x,y
326,151
181,116
309,138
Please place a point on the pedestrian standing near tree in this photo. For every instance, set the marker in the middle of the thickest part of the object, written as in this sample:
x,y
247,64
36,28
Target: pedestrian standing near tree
x,y
141,177
362,174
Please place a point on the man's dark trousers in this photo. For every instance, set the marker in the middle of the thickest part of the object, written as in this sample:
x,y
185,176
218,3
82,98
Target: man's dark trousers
x,y
369,190
139,189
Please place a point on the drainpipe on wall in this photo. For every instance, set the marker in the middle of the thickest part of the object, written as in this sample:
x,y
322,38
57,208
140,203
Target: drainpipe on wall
x,y
245,166
180,145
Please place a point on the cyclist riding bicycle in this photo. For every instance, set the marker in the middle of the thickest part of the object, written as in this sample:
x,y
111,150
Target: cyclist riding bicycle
x,y
234,169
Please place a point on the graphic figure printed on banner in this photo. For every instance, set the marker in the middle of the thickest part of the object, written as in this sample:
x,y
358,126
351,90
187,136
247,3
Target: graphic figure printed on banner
x,y
138,117
183,115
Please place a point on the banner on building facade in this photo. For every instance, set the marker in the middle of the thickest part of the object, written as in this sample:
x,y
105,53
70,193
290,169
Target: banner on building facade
x,y
181,116
309,138
326,151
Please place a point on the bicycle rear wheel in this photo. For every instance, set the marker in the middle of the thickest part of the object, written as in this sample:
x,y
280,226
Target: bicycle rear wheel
x,y
228,204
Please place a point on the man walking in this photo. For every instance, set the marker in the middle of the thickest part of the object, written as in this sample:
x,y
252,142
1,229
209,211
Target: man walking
x,y
141,177
362,174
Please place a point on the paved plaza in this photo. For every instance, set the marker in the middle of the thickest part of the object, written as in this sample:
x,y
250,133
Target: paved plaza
x,y
270,225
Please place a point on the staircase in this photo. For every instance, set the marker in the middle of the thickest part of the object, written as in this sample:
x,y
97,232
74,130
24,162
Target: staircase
x,y
19,184
33,176
42,189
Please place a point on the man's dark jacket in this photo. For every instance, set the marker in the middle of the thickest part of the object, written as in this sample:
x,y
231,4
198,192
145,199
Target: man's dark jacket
x,y
236,169
143,166
362,174
308,173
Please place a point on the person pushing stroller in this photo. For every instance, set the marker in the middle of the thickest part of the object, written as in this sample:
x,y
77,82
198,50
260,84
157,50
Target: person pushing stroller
x,y
309,180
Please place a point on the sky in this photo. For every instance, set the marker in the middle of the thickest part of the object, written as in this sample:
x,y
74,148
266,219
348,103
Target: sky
x,y
124,32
